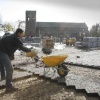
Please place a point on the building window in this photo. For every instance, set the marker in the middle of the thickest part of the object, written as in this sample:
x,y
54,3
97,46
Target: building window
x,y
28,19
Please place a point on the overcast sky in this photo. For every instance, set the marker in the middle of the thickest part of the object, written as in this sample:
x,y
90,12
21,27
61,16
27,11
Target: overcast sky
x,y
87,11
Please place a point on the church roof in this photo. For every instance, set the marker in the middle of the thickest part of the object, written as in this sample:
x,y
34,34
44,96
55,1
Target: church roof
x,y
61,24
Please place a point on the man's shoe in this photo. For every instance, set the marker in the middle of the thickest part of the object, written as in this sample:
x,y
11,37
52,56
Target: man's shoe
x,y
11,89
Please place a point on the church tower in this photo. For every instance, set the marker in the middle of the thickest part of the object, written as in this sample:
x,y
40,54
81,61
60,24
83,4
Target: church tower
x,y
30,28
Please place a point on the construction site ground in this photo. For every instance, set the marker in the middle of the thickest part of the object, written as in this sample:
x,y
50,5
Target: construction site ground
x,y
81,83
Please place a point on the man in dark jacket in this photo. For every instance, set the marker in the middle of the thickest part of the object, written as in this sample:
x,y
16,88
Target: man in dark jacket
x,y
1,65
8,45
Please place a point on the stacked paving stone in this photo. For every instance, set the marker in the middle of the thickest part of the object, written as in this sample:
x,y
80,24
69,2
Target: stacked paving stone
x,y
92,42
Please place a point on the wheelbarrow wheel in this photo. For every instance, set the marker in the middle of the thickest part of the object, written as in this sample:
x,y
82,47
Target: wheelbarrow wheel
x,y
62,70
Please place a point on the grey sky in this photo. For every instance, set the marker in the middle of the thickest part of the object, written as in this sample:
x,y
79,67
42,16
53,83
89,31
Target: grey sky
x,y
87,4
52,10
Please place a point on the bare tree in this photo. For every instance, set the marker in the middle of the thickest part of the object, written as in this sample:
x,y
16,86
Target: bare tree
x,y
95,30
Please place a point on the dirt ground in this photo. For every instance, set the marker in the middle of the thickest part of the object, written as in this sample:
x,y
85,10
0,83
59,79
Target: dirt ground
x,y
39,89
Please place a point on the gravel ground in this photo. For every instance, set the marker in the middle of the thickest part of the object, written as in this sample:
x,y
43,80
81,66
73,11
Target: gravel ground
x,y
37,89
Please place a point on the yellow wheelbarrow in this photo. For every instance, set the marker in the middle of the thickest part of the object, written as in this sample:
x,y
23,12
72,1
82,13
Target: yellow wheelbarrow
x,y
32,55
56,62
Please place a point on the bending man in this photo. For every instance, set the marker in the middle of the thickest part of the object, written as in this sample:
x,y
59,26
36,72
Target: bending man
x,y
8,45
